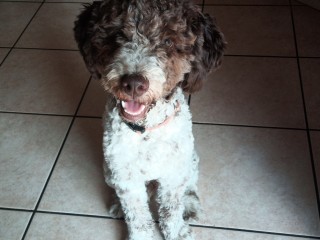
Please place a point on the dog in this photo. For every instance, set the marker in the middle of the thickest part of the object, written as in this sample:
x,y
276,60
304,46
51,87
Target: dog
x,y
148,54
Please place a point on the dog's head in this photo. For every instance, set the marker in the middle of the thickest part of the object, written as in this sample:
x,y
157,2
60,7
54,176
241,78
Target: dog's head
x,y
142,49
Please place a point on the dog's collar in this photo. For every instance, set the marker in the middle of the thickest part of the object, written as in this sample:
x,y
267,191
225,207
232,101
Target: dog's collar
x,y
142,129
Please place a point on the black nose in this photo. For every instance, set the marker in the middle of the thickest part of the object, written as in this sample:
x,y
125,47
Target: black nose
x,y
134,85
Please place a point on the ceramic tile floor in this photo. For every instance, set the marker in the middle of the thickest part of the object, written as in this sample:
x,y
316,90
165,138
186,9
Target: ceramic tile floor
x,y
256,124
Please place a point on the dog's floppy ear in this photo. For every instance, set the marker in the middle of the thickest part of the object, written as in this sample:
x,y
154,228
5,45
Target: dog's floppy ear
x,y
208,50
95,34
83,32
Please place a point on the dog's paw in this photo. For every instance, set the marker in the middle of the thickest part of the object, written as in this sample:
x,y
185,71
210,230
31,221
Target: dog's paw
x,y
187,215
192,206
115,210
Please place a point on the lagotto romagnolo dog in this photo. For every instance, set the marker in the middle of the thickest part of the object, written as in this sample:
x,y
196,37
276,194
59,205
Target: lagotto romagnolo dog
x,y
147,54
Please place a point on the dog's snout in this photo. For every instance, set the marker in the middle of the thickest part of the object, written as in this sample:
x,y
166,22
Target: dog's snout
x,y
134,85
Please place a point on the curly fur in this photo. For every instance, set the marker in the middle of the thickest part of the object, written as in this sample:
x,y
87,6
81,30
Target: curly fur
x,y
167,47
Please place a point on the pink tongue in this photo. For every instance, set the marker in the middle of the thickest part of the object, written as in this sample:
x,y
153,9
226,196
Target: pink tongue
x,y
132,106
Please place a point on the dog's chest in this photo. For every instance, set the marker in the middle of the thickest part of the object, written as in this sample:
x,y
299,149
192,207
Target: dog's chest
x,y
153,154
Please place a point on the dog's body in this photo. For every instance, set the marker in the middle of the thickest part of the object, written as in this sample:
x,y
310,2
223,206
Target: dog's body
x,y
164,154
147,53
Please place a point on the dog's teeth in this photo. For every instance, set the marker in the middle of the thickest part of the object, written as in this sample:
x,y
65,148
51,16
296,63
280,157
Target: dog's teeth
x,y
142,107
123,104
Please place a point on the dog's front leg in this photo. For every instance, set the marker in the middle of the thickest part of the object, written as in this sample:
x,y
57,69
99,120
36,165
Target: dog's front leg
x,y
134,202
171,209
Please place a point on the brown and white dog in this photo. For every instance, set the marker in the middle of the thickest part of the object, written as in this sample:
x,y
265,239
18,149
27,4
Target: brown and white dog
x,y
147,53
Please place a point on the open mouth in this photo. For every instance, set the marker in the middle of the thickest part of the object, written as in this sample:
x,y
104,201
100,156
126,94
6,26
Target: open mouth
x,y
133,111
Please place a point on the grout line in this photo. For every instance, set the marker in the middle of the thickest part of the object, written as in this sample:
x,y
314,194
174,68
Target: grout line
x,y
267,56
246,5
305,57
40,1
256,231
36,114
55,162
192,225
79,215
314,130
92,117
194,122
202,6
48,114
261,56
46,49
306,5
312,160
15,209
225,55
248,126
15,43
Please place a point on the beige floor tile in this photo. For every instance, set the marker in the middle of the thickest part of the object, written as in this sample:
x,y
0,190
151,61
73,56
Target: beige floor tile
x,y
42,81
14,17
315,138
258,179
77,184
214,234
307,28
29,145
13,224
94,101
53,227
3,53
248,2
251,91
43,32
62,227
310,76
255,30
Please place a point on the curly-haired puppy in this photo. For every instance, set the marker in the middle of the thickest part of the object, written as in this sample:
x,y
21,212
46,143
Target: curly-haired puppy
x,y
147,53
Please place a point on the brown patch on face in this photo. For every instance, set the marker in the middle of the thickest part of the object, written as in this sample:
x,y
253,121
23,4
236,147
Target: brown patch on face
x,y
177,41
176,68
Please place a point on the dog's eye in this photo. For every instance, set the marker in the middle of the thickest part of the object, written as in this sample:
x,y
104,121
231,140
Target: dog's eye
x,y
168,42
